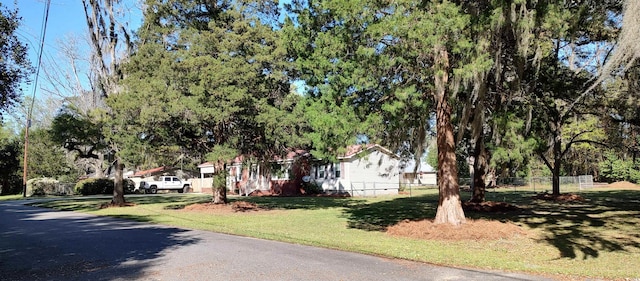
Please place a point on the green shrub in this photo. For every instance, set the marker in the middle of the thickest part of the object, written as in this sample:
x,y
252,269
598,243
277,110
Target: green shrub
x,y
102,186
312,188
41,186
94,186
10,184
220,180
129,186
614,168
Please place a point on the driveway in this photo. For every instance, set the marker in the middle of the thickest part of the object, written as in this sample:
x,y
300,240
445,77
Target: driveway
x,y
42,244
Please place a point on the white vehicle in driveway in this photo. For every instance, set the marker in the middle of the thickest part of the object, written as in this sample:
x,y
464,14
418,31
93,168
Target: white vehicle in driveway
x,y
165,183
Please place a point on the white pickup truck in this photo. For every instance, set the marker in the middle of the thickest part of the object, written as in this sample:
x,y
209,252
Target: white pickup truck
x,y
165,183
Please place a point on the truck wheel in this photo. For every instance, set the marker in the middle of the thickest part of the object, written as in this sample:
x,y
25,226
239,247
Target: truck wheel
x,y
154,189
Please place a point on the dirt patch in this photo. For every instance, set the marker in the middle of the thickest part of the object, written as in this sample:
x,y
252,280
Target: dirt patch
x,y
489,207
623,185
236,206
471,230
565,197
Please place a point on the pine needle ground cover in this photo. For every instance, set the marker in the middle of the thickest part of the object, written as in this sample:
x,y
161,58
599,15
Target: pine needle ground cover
x,y
595,237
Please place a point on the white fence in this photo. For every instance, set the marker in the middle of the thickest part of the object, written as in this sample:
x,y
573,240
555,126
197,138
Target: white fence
x,y
362,189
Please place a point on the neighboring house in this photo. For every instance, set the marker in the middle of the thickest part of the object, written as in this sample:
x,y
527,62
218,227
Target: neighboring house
x,y
282,175
365,170
424,175
204,183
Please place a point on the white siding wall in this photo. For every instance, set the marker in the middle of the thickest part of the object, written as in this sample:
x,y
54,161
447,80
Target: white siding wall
x,y
375,173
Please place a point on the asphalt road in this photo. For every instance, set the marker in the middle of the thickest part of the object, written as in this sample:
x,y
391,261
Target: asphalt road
x,y
42,244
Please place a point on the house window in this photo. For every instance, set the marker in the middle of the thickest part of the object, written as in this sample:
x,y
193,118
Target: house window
x,y
239,173
321,172
313,173
254,172
336,170
280,171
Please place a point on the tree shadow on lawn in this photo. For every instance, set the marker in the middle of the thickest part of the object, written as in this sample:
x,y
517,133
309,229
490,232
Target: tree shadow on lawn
x,y
380,215
302,202
87,204
41,244
606,221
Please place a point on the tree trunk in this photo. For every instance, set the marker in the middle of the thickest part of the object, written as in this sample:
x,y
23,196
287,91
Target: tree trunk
x,y
557,162
118,189
479,173
97,165
449,205
479,152
220,195
220,186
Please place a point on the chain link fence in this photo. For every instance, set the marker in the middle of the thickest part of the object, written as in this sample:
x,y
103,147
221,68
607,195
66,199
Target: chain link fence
x,y
537,184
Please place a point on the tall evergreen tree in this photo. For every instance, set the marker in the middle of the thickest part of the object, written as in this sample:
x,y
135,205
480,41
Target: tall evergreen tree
x,y
208,77
14,64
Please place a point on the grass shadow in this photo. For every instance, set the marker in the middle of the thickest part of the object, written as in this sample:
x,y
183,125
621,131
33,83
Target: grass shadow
x,y
606,221
88,204
380,215
302,202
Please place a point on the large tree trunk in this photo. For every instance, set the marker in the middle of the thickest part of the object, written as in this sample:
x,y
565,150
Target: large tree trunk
x,y
97,165
479,173
118,190
220,195
479,151
449,205
220,185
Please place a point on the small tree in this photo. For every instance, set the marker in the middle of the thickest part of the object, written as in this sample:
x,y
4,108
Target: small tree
x,y
219,156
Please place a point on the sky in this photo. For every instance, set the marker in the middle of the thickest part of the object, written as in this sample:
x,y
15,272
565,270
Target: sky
x,y
66,18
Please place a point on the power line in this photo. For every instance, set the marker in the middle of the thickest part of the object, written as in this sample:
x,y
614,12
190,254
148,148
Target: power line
x,y
43,32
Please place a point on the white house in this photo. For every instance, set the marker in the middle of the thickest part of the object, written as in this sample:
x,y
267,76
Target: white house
x,y
424,175
365,170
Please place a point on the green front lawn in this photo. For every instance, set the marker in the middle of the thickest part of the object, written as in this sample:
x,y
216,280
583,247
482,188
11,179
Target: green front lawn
x,y
596,238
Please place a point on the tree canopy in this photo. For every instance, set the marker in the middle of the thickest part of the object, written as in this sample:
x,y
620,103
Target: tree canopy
x,y
14,64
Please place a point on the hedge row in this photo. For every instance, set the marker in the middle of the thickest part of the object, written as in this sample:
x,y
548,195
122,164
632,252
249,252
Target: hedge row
x,y
101,186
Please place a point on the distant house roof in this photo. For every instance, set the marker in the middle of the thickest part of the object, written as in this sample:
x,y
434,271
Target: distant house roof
x,y
152,171
205,164
354,150
423,168
291,155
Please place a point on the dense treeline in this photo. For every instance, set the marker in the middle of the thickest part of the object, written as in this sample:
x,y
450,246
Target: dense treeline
x,y
492,88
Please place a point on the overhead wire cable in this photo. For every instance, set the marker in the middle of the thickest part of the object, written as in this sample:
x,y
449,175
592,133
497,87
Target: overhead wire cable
x,y
43,33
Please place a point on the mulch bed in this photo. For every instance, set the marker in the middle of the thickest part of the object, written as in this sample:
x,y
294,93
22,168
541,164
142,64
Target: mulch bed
x,y
234,207
471,230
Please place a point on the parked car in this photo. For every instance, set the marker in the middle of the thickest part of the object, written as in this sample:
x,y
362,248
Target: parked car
x,y
165,183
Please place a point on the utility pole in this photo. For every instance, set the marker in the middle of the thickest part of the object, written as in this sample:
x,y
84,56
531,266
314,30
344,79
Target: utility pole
x,y
26,150
33,99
